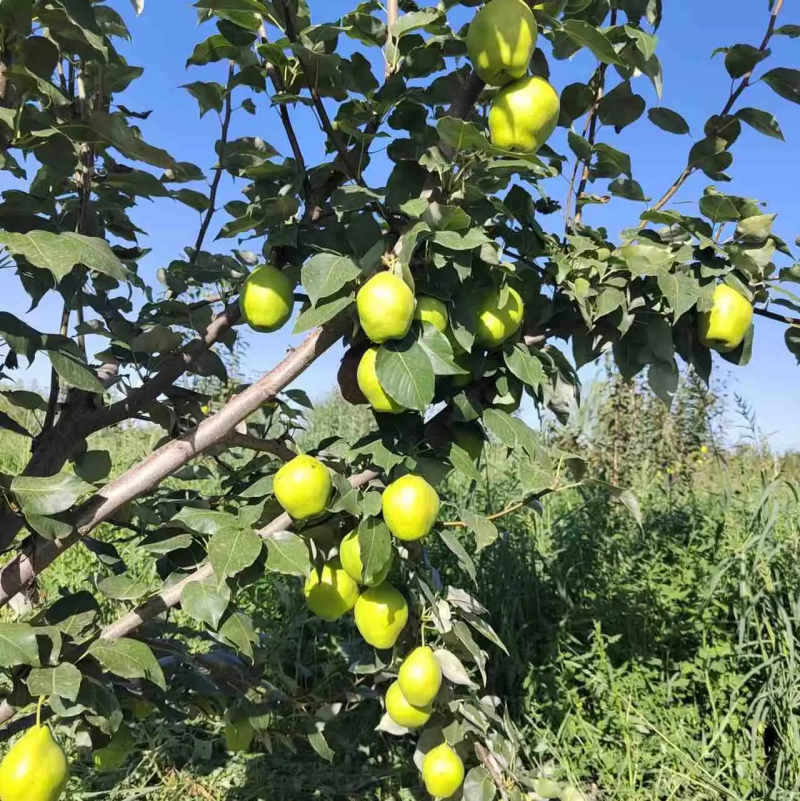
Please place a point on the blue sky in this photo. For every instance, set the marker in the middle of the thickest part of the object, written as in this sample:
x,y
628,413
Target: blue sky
x,y
694,84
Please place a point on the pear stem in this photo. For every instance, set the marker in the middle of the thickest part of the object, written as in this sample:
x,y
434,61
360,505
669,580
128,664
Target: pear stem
x,y
39,711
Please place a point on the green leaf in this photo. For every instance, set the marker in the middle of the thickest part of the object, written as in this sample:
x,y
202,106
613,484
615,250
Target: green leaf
x,y
611,162
75,373
205,521
326,273
681,290
321,314
353,198
792,31
743,58
627,188
668,120
205,601
208,94
446,218
18,645
128,659
113,129
416,20
762,121
461,135
59,253
405,373
719,208
452,667
124,587
93,465
585,35
64,681
523,364
48,495
215,48
784,82
231,550
375,544
287,553
663,379
464,559
479,786
501,425
621,107
484,530
462,461
238,630
318,742
439,350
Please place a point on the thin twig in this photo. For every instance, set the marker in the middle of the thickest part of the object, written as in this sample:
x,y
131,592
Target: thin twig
x,y
734,96
781,318
219,169
55,384
496,516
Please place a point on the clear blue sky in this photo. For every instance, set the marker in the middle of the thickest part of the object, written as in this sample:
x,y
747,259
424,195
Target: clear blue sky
x,y
695,85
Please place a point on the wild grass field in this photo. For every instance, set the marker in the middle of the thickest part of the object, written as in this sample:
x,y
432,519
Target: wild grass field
x,y
644,662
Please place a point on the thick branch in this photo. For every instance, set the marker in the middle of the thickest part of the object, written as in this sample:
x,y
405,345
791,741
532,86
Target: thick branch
x,y
23,569
734,96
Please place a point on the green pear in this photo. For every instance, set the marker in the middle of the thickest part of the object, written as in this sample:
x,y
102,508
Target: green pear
x,y
524,115
501,40
724,327
420,676
35,769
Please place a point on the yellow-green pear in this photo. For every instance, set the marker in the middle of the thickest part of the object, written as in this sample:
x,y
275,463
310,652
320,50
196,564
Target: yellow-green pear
x,y
385,307
410,507
724,327
367,378
35,769
420,676
496,323
524,115
350,556
303,487
402,712
330,592
266,299
501,40
431,310
381,613
442,771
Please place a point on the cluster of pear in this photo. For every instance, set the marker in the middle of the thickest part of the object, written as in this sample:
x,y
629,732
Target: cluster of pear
x,y
410,506
387,307
501,40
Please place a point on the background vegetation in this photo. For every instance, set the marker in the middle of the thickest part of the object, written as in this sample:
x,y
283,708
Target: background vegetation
x,y
643,663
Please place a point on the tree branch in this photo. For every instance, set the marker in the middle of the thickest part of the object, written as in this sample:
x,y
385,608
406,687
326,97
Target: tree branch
x,y
734,96
55,386
274,446
781,318
23,569
212,197
392,14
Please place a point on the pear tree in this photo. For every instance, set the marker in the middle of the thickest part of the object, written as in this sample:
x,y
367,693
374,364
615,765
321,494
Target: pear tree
x,y
442,243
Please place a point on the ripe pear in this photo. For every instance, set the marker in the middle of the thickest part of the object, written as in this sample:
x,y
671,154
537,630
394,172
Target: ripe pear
x,y
495,324
35,769
385,307
410,507
524,115
113,756
404,713
266,300
367,377
420,676
442,771
433,311
331,592
303,487
725,326
350,556
501,40
381,614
